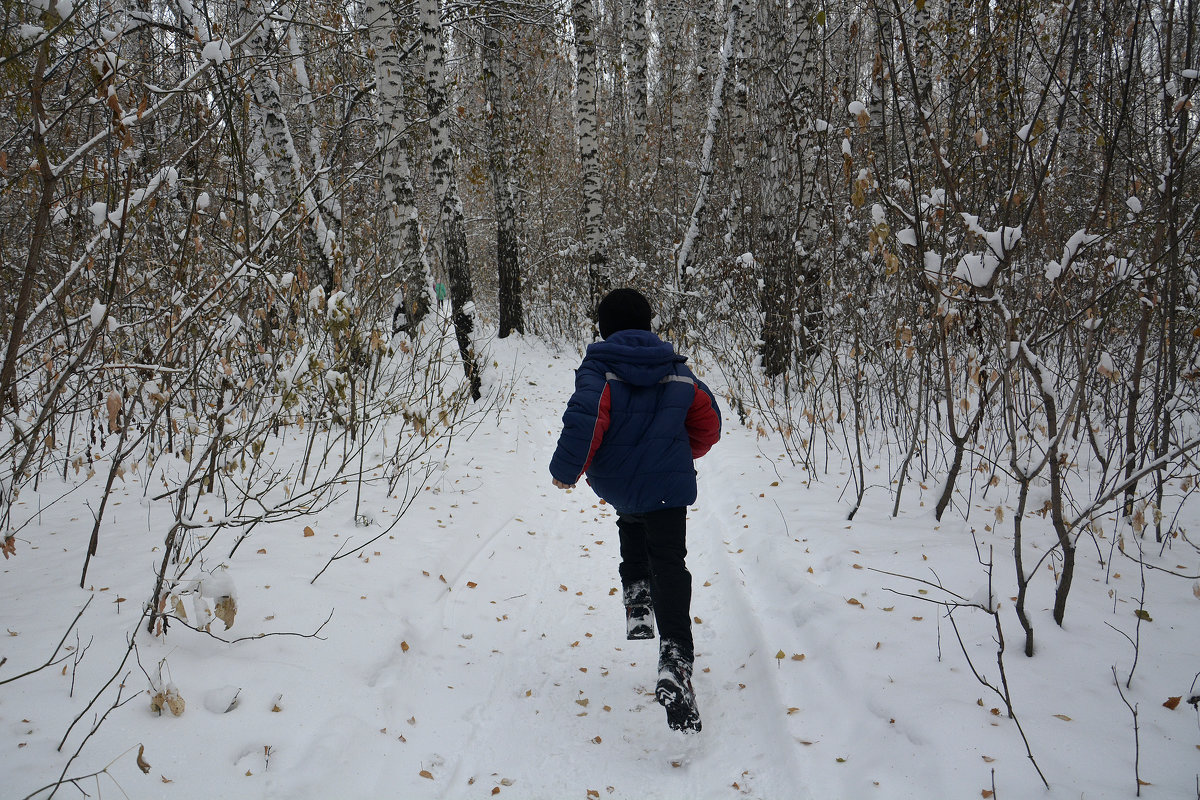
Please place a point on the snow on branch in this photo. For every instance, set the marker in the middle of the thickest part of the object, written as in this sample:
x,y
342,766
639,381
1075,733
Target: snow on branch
x,y
979,269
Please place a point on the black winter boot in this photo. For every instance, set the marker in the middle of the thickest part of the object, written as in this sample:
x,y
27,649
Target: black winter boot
x,y
674,691
639,611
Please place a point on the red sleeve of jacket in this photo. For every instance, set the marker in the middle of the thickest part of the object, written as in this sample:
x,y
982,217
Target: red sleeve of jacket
x,y
703,421
603,419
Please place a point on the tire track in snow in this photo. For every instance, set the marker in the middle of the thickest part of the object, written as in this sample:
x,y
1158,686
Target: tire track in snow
x,y
741,703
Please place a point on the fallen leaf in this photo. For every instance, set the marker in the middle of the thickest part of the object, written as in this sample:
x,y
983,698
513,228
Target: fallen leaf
x,y
987,793
1172,703
404,647
426,774
165,779
308,531
781,655
143,765
1063,717
797,656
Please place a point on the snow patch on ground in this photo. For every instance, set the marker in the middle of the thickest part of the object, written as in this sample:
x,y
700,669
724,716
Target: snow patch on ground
x,y
478,650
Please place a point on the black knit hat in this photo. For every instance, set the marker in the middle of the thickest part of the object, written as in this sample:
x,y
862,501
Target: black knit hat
x,y
623,309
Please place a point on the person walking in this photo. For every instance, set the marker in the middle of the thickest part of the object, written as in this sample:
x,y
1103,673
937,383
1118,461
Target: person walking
x,y
635,424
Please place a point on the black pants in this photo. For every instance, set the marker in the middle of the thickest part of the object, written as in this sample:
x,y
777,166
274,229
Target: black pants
x,y
653,547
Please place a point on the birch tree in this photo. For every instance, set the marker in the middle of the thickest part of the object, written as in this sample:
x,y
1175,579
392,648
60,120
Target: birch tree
x,y
450,209
286,170
583,17
406,263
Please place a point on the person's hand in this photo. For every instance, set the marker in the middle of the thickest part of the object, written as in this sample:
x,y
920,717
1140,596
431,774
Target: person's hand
x,y
562,485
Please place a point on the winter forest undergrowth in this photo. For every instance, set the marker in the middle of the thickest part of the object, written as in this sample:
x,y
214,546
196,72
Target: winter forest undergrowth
x,y
275,514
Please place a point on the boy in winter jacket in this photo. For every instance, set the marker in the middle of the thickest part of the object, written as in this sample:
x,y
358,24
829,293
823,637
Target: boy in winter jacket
x,y
635,423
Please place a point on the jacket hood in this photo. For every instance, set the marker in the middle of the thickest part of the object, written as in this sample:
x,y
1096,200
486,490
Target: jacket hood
x,y
635,356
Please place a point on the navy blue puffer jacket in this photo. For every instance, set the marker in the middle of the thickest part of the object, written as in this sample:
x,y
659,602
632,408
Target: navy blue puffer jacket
x,y
635,423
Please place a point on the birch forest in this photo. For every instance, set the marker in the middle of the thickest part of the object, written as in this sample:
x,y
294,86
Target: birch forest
x,y
958,238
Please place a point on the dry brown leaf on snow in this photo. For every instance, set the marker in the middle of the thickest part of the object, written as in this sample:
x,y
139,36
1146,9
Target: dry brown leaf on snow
x,y
426,774
1172,703
143,765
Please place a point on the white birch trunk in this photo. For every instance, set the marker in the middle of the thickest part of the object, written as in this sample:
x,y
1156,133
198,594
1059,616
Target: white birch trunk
x,y
583,16
279,149
881,80
450,217
637,38
924,66
672,35
406,263
331,210
682,266
739,128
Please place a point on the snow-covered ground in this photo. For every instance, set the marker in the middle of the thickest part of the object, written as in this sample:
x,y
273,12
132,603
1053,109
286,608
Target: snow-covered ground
x,y
478,650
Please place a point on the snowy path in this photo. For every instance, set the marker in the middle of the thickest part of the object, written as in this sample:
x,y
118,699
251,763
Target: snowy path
x,y
515,672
